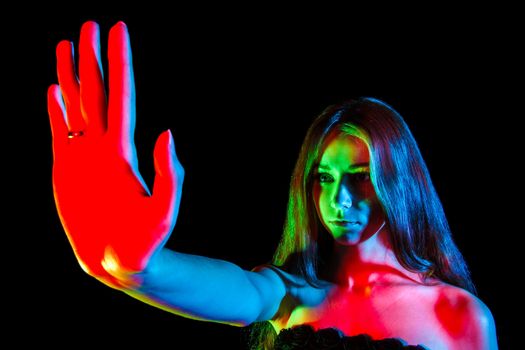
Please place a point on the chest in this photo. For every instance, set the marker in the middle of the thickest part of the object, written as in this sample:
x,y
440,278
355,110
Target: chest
x,y
394,313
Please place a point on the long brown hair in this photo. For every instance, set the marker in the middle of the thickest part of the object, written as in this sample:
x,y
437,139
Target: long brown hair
x,y
419,231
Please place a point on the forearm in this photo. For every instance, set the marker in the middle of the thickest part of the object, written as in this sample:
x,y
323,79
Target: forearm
x,y
198,287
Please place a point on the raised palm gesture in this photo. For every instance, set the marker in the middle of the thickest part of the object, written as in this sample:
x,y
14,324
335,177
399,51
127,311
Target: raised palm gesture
x,y
113,221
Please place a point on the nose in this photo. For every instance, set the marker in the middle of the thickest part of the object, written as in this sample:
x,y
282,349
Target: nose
x,y
342,198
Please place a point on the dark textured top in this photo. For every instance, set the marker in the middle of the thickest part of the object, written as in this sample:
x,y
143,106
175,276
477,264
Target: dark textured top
x,y
305,337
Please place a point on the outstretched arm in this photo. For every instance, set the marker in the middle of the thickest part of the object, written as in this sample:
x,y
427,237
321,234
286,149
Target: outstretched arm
x,y
116,226
209,289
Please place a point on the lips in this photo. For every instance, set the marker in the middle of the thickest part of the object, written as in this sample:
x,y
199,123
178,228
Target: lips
x,y
345,223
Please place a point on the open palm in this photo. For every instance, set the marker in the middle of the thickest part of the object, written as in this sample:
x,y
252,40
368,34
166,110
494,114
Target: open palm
x,y
113,222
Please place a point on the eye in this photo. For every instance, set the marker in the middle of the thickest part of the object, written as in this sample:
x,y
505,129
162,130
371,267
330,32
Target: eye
x,y
362,176
324,177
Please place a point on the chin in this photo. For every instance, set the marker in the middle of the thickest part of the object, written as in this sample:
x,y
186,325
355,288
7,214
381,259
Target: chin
x,y
349,239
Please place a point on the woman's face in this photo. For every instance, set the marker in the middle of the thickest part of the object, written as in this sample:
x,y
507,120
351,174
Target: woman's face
x,y
344,197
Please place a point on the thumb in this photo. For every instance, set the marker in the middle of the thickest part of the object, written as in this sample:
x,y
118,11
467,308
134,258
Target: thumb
x,y
169,176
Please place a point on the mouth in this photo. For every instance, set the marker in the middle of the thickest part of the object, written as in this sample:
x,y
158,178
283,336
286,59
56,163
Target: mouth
x,y
345,223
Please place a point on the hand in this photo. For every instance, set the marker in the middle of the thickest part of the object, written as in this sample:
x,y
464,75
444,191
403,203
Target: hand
x,y
111,220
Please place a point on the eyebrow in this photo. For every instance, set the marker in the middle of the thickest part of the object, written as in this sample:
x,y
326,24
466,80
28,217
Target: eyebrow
x,y
352,166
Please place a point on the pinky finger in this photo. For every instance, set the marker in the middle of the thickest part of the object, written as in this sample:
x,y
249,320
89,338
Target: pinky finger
x,y
56,111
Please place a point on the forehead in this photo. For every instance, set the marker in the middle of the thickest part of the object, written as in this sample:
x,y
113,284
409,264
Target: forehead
x,y
344,150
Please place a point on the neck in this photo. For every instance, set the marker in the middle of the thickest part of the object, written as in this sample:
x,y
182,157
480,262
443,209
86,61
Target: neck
x,y
367,263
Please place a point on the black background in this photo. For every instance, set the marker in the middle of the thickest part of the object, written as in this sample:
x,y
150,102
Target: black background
x,y
238,88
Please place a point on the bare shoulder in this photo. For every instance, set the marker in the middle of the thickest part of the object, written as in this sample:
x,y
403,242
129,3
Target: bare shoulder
x,y
283,291
270,277
465,317
455,302
279,277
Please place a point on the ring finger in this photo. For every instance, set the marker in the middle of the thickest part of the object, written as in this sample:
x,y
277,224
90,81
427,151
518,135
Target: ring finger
x,y
69,86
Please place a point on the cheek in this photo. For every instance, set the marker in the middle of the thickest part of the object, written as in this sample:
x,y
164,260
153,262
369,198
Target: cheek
x,y
373,209
320,201
365,195
365,191
372,196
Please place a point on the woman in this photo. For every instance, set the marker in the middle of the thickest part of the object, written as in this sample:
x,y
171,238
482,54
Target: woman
x,y
366,254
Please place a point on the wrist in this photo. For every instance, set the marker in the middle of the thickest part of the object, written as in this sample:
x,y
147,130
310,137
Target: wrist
x,y
122,277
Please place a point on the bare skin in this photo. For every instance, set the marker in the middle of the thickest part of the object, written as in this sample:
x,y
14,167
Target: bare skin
x,y
117,226
387,304
368,291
